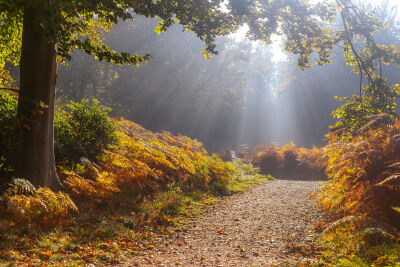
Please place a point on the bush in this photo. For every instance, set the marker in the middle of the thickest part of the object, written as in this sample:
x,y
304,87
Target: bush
x,y
83,130
222,174
377,106
290,161
246,171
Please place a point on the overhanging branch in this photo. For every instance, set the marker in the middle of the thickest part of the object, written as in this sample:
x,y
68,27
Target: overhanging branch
x,y
360,62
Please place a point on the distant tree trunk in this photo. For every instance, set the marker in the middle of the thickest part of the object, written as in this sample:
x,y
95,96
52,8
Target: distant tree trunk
x,y
38,74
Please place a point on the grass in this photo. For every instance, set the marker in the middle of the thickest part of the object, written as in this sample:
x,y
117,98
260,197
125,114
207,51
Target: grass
x,y
346,246
111,236
243,183
345,243
387,255
247,176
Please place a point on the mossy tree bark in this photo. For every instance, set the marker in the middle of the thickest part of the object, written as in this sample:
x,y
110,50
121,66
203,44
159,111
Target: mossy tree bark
x,y
38,73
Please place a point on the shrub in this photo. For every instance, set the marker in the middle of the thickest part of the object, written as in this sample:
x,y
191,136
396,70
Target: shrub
x,y
357,241
290,161
83,130
245,171
376,106
222,174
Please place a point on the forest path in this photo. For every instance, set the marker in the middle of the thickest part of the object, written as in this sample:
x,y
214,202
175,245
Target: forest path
x,y
268,225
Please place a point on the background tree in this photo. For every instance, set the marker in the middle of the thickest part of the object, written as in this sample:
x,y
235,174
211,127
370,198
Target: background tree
x,y
177,90
376,98
52,29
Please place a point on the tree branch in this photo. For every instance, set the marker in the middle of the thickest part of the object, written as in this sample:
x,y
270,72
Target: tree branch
x,y
360,62
10,89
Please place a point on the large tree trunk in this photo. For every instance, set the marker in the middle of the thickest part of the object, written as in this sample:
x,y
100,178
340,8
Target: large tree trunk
x,y
38,66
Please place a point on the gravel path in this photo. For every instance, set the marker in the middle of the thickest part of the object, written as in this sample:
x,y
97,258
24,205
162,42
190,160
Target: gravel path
x,y
265,226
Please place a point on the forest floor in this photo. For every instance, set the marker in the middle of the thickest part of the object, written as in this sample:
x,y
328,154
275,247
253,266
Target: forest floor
x,y
271,224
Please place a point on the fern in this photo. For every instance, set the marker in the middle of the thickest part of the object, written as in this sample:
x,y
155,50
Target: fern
x,y
288,161
42,205
20,186
395,166
364,171
143,162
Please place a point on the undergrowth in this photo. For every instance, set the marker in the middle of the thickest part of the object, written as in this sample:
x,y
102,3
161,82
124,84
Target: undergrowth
x,y
356,241
364,175
288,161
82,129
142,163
364,183
111,235
245,176
117,194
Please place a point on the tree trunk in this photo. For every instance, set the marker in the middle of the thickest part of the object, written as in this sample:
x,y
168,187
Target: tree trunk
x,y
38,67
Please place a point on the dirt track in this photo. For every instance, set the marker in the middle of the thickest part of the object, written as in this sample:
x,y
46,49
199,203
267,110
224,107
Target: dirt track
x,y
265,226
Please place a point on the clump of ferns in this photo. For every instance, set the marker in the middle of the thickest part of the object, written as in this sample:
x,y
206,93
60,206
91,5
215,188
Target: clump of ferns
x,y
24,203
142,163
359,168
20,186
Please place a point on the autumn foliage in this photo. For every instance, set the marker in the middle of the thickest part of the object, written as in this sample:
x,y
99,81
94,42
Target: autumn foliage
x,y
116,191
142,162
288,161
138,164
25,203
364,174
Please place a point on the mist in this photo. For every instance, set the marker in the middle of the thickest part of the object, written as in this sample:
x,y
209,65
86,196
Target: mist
x,y
247,94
